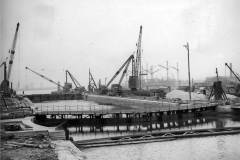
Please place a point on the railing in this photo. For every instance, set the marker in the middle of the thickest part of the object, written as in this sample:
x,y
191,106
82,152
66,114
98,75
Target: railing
x,y
105,109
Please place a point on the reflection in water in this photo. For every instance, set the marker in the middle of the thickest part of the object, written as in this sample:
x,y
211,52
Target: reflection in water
x,y
209,148
221,147
93,129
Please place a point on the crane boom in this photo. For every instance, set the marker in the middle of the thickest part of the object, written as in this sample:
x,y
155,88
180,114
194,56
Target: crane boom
x,y
44,77
12,51
76,83
232,71
124,72
115,75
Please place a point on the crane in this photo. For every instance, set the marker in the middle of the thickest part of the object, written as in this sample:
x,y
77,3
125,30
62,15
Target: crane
x,y
126,65
75,81
5,83
235,74
138,54
12,51
236,88
46,78
135,79
116,88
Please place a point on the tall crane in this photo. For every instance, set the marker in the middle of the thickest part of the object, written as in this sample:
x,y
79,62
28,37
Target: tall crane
x,y
12,51
138,54
46,78
135,79
235,74
4,86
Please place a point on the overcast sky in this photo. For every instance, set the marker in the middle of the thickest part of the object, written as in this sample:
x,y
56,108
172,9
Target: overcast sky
x,y
101,34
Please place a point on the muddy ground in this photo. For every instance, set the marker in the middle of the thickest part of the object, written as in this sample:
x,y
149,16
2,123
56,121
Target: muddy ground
x,y
28,148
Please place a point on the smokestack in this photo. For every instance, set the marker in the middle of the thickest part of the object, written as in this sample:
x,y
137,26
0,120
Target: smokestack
x,y
231,69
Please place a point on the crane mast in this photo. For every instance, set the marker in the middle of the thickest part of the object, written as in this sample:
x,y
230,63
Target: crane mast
x,y
137,63
12,52
44,77
134,82
138,54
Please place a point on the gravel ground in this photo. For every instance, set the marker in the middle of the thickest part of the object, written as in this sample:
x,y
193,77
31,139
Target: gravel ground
x,y
24,153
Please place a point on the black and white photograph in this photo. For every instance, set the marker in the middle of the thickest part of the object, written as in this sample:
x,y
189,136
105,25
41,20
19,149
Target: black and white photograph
x,y
119,79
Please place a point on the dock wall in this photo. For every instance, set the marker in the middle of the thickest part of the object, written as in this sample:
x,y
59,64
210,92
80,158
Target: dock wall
x,y
164,105
35,98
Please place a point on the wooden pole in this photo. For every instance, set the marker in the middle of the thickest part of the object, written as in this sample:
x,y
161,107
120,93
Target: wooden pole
x,y
189,76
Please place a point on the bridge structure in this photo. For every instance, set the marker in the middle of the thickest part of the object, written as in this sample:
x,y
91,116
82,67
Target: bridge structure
x,y
119,112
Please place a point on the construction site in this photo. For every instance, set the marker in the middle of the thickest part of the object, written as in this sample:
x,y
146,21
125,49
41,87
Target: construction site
x,y
138,104
138,84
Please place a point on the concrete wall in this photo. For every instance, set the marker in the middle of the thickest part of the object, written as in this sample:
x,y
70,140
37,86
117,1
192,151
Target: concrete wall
x,y
134,103
50,97
143,104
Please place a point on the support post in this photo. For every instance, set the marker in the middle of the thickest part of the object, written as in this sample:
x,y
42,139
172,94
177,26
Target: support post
x,y
189,76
